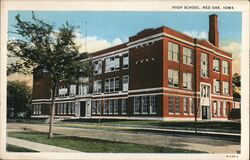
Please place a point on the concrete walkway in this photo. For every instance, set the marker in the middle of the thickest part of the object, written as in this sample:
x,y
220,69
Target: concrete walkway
x,y
191,142
37,146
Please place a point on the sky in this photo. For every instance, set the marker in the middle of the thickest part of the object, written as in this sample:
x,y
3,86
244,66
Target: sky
x,y
109,28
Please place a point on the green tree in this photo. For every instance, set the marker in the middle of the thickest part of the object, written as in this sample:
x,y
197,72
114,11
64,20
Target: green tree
x,y
52,50
18,99
236,85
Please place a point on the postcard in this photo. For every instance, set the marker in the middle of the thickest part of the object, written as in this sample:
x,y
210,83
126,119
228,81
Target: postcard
x,y
127,79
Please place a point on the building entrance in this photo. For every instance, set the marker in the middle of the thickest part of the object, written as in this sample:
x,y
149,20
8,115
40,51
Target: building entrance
x,y
205,112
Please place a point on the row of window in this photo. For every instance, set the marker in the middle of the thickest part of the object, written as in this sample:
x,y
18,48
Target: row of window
x,y
145,105
111,85
65,108
217,108
111,64
217,87
37,109
173,79
174,106
174,55
110,107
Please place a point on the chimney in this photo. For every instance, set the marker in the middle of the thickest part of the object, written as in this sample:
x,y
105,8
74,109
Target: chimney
x,y
213,30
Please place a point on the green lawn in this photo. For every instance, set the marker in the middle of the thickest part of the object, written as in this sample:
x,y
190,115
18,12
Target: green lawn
x,y
95,145
13,148
220,126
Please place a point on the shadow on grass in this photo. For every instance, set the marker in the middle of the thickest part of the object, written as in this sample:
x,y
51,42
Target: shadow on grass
x,y
96,145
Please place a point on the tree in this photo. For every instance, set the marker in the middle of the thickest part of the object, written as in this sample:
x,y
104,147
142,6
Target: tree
x,y
236,85
18,99
52,50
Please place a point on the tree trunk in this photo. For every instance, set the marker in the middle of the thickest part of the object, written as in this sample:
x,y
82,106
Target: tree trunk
x,y
52,113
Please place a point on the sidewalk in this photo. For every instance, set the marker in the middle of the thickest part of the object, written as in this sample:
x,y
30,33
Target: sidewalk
x,y
37,146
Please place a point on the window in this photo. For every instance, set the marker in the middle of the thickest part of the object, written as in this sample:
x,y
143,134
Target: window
x,y
225,88
204,65
58,108
144,105
83,89
125,82
37,109
219,108
191,100
216,65
64,108
124,106
187,80
171,104
112,64
136,105
69,108
72,90
63,90
94,107
177,105
185,105
106,105
115,106
97,86
152,104
187,56
98,105
216,86
215,108
111,106
205,91
125,61
173,78
73,107
173,52
97,67
112,85
225,67
224,109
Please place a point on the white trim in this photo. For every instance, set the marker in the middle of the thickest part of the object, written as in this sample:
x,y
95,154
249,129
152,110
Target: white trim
x,y
39,100
41,103
178,90
108,98
146,38
172,94
219,96
110,54
145,90
145,42
137,95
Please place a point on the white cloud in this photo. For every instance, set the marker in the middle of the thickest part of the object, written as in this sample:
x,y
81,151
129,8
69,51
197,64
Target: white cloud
x,y
235,49
232,47
94,43
196,34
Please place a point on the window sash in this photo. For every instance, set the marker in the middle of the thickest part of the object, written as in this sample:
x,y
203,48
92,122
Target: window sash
x,y
136,105
115,106
187,56
171,104
173,52
152,104
144,104
185,105
177,105
125,61
173,78
124,106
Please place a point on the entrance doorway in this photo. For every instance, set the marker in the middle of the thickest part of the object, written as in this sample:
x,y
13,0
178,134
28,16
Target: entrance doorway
x,y
205,112
83,108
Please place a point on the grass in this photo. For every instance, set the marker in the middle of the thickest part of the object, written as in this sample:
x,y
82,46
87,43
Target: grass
x,y
13,148
220,126
95,145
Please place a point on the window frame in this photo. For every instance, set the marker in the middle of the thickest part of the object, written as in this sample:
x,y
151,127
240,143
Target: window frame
x,y
171,52
186,56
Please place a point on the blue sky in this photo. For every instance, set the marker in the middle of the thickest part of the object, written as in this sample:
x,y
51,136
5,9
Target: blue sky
x,y
109,28
114,24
